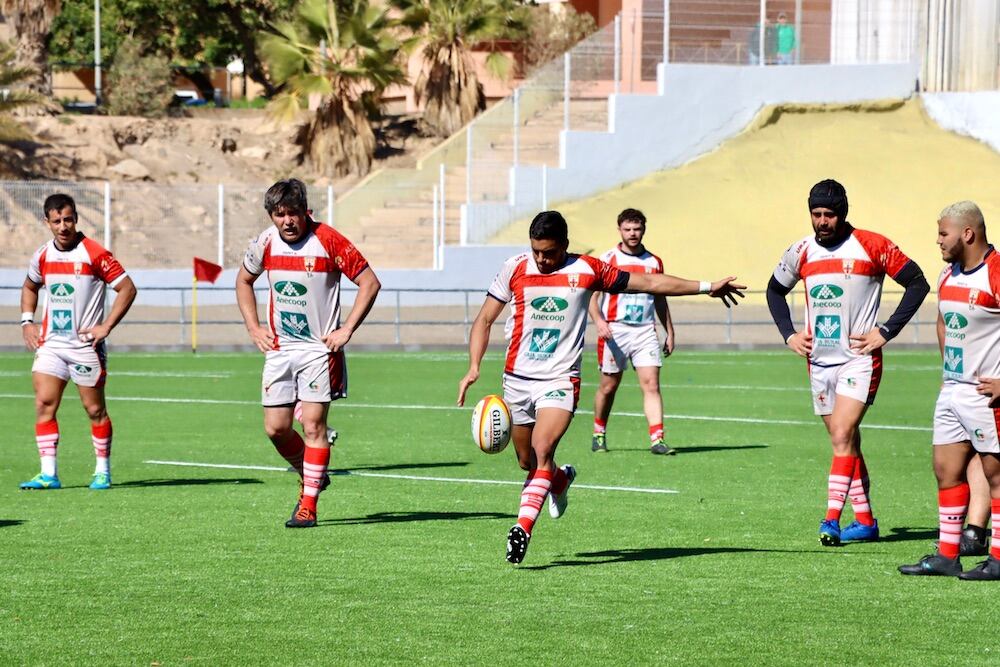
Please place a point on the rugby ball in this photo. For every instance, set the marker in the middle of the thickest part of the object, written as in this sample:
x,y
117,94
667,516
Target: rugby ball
x,y
491,424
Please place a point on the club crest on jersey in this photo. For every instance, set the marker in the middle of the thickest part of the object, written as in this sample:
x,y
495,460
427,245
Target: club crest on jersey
x,y
574,281
77,268
310,264
848,268
973,297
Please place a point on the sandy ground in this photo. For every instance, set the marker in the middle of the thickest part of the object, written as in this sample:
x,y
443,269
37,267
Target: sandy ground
x,y
736,210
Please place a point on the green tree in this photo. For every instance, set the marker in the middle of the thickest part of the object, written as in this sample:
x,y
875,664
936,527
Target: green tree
x,y
343,54
31,21
191,34
12,97
139,85
448,30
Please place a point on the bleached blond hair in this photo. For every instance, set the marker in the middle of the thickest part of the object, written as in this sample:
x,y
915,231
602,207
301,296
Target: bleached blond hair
x,y
967,211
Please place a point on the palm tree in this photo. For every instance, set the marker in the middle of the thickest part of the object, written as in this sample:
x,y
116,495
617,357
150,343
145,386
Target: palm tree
x,y
344,52
11,99
448,85
31,20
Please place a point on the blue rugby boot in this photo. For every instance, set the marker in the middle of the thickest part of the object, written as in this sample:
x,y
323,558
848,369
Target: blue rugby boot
x,y
101,481
829,533
41,482
859,532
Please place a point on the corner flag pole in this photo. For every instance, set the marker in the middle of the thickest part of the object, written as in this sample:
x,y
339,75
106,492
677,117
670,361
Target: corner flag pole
x,y
194,314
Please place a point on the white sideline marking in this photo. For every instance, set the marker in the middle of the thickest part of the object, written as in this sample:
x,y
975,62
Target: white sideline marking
x,y
747,387
392,406
168,374
419,478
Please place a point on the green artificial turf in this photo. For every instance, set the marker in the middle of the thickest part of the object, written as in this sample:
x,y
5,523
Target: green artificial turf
x,y
179,564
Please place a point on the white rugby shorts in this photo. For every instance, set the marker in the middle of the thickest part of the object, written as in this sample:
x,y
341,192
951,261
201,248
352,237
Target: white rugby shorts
x,y
85,365
524,397
858,379
962,415
629,342
311,375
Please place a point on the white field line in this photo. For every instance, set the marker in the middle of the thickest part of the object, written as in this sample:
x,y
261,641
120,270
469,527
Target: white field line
x,y
747,387
418,478
396,406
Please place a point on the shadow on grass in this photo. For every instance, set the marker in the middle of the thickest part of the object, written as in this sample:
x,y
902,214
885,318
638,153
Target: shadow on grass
x,y
399,466
143,483
693,449
4,523
406,517
909,534
655,553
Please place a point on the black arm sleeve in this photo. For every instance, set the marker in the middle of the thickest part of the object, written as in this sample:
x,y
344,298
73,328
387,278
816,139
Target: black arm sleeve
x,y
916,289
782,316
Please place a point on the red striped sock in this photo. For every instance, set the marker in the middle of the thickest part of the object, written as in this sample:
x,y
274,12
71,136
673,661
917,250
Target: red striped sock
x,y
536,487
316,461
995,520
841,471
100,435
292,448
600,425
47,440
952,505
656,432
859,493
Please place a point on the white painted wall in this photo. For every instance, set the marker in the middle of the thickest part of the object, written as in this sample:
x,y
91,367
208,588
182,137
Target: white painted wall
x,y
974,115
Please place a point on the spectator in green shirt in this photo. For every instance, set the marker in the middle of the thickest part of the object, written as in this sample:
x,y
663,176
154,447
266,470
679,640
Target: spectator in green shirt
x,y
786,40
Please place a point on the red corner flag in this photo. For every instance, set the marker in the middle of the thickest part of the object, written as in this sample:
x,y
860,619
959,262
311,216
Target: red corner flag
x,y
205,270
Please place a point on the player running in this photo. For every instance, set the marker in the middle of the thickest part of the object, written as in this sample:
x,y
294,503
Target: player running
x,y
843,269
69,344
626,331
967,414
303,343
548,290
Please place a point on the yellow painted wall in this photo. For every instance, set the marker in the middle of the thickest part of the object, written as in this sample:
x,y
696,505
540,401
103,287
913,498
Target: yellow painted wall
x,y
738,208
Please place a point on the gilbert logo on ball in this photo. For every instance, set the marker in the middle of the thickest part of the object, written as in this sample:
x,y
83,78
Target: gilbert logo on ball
x,y
491,424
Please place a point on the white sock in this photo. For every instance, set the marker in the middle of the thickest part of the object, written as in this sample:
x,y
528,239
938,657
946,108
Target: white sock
x,y
49,466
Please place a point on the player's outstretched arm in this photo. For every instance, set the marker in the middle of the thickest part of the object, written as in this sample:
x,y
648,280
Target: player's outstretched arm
x,y
125,293
247,302
29,301
368,288
664,284
479,340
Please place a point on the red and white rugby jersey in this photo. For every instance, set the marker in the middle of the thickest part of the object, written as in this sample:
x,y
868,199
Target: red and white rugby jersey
x,y
969,303
548,316
843,288
74,289
636,309
304,299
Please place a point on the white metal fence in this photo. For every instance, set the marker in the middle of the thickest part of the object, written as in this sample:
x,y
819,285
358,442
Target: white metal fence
x,y
435,317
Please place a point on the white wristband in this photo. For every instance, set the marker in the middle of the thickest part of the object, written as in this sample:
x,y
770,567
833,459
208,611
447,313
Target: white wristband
x,y
704,287
27,317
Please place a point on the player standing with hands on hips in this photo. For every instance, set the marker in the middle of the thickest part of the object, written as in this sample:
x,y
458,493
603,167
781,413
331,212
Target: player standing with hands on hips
x,y
843,269
548,290
303,342
69,344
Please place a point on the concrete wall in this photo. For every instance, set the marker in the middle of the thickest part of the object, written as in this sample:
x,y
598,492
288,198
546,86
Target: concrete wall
x,y
699,107
974,115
